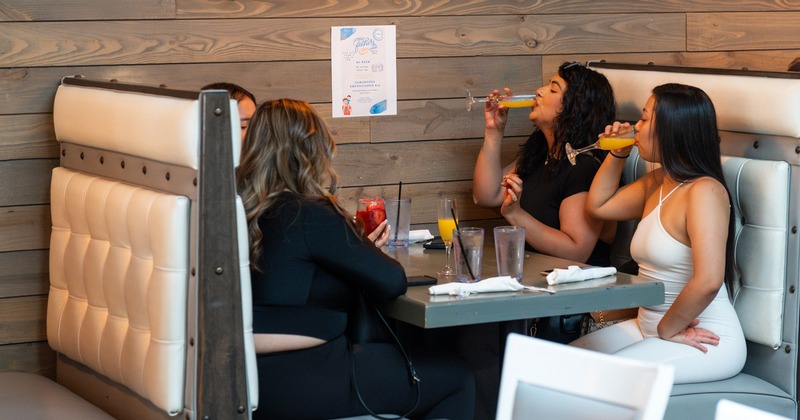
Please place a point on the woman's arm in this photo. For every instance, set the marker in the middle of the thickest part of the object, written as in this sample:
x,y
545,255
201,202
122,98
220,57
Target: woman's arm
x,y
707,216
578,234
488,173
337,249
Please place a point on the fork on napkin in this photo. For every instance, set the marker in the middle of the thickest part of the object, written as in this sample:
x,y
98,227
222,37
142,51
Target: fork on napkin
x,y
574,273
492,284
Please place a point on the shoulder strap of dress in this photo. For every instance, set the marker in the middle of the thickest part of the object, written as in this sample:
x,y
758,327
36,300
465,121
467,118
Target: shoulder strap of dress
x,y
661,200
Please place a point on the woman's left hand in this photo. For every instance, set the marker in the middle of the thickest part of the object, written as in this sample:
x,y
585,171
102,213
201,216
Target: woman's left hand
x,y
513,191
696,337
380,236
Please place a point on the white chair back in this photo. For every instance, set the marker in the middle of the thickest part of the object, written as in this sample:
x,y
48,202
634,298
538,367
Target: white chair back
x,y
547,380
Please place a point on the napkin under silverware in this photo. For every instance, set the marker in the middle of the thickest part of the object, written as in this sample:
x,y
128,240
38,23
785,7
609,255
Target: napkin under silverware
x,y
492,284
419,235
574,273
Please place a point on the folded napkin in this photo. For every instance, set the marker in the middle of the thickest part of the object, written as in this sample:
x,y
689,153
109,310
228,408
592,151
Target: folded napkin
x,y
493,284
574,273
419,235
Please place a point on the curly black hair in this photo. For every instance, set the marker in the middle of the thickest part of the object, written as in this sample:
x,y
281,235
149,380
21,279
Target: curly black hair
x,y
587,107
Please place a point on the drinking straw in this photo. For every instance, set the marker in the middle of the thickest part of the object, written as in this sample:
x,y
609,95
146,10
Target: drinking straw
x,y
399,196
461,245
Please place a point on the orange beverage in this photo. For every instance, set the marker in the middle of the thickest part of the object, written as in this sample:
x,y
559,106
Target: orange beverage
x,y
446,227
517,101
614,143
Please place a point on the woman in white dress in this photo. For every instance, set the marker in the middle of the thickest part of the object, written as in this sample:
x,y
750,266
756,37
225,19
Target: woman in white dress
x,y
683,240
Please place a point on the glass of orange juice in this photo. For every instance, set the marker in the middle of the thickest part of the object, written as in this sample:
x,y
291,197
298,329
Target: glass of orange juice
x,y
447,223
626,136
508,101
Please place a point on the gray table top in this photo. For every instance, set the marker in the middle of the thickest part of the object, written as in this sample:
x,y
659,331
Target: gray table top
x,y
419,308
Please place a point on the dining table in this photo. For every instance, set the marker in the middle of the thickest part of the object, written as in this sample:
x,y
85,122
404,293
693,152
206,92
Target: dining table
x,y
475,326
418,307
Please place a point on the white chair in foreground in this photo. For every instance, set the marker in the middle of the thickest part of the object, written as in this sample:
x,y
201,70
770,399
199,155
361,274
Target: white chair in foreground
x,y
729,410
542,379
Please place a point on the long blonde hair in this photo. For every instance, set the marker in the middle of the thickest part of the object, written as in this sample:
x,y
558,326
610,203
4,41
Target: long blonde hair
x,y
287,148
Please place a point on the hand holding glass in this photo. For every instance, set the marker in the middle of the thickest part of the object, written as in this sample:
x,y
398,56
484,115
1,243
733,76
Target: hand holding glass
x,y
447,222
623,138
508,101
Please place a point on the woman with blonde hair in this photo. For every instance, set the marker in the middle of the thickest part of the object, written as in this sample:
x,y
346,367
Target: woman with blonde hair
x,y
311,262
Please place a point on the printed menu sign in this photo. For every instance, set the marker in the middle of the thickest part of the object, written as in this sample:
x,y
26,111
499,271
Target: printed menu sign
x,y
363,70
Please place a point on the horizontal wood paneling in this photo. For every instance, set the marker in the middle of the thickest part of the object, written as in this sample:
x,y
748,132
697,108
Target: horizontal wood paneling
x,y
742,31
38,10
162,42
24,273
432,120
417,78
35,357
27,137
22,319
377,164
24,228
24,182
292,8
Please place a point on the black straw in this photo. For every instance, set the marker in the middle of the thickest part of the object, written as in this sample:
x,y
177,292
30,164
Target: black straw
x,y
399,196
461,245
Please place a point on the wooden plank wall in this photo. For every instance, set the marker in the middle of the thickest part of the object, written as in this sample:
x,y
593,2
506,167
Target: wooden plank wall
x,y
280,48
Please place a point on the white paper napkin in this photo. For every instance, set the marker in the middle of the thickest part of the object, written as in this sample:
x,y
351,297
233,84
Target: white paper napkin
x,y
574,273
492,284
419,235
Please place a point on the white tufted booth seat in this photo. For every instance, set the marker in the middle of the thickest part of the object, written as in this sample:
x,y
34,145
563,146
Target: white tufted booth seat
x,y
127,267
759,172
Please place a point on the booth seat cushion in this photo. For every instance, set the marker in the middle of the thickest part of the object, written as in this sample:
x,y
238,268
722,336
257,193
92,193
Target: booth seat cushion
x,y
699,399
31,396
119,269
161,128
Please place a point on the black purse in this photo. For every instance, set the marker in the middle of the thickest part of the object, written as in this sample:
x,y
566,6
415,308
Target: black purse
x,y
365,324
561,329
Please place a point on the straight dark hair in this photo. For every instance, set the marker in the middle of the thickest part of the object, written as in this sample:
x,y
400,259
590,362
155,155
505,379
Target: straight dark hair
x,y
689,144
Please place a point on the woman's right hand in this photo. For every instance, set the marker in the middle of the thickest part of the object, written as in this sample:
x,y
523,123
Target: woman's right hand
x,y
616,128
380,236
695,337
495,114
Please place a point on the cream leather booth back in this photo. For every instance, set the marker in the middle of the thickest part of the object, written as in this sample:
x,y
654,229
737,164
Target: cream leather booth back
x,y
123,301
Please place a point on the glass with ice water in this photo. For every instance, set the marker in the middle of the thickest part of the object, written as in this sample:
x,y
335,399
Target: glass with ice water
x,y
509,246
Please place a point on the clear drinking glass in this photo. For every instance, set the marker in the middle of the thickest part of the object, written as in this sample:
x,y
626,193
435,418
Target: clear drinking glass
x,y
624,138
508,101
447,218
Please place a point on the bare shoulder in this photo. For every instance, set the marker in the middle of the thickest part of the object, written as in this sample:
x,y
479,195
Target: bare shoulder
x,y
708,191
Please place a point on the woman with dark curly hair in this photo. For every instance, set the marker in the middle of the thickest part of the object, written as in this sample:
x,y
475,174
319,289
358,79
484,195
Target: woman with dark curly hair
x,y
576,105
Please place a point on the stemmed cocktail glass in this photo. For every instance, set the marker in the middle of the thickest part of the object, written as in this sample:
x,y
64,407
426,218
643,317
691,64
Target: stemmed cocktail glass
x,y
508,101
624,138
448,216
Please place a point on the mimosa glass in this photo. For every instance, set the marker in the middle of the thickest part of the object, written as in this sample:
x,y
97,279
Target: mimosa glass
x,y
508,101
448,216
624,138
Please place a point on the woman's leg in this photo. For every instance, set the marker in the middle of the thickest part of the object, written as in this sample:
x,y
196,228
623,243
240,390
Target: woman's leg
x,y
611,339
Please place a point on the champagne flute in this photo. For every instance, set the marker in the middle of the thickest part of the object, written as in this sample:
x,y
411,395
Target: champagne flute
x,y
508,101
447,223
626,136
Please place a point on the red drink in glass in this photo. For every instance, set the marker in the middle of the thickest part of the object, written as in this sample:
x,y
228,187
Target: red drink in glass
x,y
371,212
